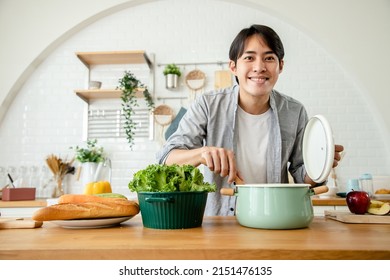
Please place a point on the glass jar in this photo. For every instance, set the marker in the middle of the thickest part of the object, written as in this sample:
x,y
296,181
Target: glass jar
x,y
366,184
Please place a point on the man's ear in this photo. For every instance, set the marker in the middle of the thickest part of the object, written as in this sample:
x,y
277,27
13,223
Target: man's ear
x,y
232,67
281,64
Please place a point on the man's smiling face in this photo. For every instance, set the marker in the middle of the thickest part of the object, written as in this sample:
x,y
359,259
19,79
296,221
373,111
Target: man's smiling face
x,y
257,69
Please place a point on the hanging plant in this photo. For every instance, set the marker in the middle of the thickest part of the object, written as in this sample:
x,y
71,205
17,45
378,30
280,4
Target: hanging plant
x,y
130,85
172,69
172,73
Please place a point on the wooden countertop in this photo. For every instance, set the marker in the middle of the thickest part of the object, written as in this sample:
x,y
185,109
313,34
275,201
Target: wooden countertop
x,y
23,203
328,201
317,201
219,238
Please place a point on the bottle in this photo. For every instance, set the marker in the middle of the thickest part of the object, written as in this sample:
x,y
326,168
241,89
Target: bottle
x,y
366,184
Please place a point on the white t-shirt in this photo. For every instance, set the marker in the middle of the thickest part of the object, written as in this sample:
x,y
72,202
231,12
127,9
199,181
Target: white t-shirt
x,y
253,137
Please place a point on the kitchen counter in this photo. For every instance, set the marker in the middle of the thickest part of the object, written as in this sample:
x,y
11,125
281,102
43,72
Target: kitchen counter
x,y
219,238
23,203
317,201
328,201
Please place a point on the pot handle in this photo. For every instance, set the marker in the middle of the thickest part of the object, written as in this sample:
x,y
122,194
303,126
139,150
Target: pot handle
x,y
227,191
159,199
319,190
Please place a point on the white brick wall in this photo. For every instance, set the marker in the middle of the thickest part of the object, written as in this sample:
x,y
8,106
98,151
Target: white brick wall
x,y
46,116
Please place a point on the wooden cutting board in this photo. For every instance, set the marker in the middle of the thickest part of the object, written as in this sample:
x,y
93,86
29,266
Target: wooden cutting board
x,y
223,79
6,223
348,217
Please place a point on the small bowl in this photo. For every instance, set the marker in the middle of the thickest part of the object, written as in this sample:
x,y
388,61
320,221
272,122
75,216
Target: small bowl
x,y
341,194
95,84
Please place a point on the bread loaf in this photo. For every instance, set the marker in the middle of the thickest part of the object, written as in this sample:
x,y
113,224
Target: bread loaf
x,y
87,210
81,198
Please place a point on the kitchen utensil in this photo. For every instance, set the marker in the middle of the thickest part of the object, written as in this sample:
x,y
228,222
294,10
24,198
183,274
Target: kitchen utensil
x,y
98,171
274,206
332,192
11,180
348,217
172,210
91,223
289,206
342,194
352,185
94,172
8,223
381,196
13,194
318,148
175,123
60,168
222,79
366,184
94,85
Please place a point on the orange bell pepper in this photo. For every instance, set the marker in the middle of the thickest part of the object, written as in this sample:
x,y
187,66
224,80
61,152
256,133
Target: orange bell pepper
x,y
97,187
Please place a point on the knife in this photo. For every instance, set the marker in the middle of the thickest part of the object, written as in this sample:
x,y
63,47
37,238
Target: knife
x,y
12,181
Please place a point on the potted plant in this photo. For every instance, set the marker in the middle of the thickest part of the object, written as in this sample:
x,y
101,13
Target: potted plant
x,y
172,73
130,85
90,158
92,153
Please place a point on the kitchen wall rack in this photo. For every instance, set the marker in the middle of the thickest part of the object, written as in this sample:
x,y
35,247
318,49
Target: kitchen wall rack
x,y
196,63
171,97
113,57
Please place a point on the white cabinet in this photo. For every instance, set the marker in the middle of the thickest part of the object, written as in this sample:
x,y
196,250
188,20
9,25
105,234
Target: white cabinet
x,y
20,209
320,210
24,212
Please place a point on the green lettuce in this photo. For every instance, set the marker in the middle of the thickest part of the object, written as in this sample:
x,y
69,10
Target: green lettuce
x,y
170,178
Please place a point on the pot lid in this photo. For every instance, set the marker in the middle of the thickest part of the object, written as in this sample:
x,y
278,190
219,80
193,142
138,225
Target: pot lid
x,y
318,148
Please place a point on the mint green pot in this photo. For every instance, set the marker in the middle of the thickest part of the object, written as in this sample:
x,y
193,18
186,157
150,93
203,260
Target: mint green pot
x,y
275,206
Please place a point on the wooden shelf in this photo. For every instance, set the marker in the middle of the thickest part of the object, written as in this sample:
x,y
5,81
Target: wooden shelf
x,y
114,57
106,58
87,94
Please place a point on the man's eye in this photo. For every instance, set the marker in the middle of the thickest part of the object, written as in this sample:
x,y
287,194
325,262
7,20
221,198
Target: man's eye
x,y
270,58
248,58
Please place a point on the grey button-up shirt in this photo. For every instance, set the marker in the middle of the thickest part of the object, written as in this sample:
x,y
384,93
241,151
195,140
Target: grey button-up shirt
x,y
211,121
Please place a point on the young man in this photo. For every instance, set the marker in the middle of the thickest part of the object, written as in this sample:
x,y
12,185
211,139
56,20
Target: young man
x,y
250,131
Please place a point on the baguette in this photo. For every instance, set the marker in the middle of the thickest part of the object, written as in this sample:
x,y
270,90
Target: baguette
x,y
87,210
81,198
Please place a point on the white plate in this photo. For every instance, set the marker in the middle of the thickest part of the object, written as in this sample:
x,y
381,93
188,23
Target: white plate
x,y
381,196
91,223
318,148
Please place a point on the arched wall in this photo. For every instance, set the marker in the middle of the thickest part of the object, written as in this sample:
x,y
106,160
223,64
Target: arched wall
x,y
322,25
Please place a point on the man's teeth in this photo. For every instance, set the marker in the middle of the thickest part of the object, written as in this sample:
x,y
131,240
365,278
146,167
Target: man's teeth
x,y
258,79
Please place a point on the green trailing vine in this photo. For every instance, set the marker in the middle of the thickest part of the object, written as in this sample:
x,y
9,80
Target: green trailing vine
x,y
130,85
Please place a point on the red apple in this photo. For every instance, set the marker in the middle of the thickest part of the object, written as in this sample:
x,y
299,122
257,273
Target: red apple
x,y
358,202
